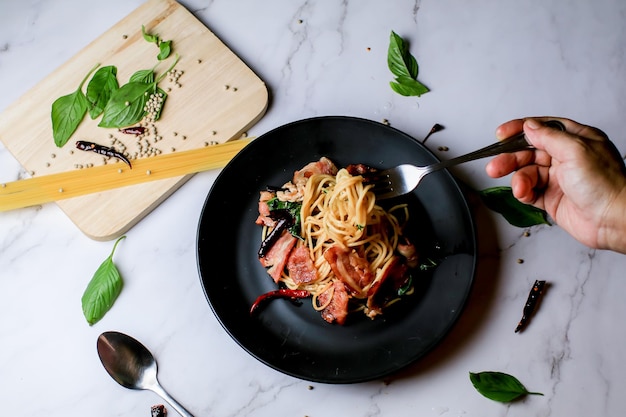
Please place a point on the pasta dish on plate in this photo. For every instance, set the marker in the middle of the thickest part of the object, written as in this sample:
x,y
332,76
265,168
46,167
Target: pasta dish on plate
x,y
326,238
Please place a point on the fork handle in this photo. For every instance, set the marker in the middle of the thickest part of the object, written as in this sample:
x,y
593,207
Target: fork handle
x,y
514,143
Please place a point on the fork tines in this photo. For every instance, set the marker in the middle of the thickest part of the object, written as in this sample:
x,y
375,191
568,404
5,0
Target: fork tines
x,y
380,180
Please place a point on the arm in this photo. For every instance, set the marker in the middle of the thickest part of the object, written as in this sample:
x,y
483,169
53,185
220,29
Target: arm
x,y
577,176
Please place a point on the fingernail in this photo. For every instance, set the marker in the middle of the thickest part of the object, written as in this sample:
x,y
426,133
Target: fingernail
x,y
532,124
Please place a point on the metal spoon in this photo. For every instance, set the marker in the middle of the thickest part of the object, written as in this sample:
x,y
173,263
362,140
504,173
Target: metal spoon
x,y
132,365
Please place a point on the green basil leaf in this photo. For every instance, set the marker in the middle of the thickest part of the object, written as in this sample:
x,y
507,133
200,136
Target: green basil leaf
x,y
166,72
156,116
404,66
428,264
103,289
68,111
100,88
406,287
407,86
501,200
142,76
165,48
400,62
294,210
127,105
499,386
148,37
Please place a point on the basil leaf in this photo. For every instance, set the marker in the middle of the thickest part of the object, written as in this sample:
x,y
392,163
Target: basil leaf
x,y
100,88
404,66
157,115
499,386
148,37
428,264
400,62
294,210
67,113
165,48
164,74
406,287
103,289
501,200
127,105
408,87
142,76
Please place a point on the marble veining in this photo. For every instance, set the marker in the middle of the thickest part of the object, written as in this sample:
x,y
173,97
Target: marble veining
x,y
485,62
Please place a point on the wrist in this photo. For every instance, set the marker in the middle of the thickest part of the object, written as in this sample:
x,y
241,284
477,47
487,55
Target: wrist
x,y
612,235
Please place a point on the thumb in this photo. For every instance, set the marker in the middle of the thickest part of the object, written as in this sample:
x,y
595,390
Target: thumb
x,y
555,142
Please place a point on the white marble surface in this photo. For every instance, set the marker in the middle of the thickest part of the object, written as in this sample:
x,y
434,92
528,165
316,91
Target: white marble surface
x,y
486,61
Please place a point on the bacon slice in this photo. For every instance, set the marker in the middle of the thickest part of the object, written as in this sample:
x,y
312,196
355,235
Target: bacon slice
x,y
264,209
409,251
323,166
300,266
277,256
337,309
393,277
349,267
360,169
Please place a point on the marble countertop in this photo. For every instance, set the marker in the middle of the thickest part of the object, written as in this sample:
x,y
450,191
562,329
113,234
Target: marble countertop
x,y
485,61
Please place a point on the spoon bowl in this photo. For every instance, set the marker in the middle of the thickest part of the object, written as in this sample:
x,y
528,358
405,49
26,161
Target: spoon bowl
x,y
132,365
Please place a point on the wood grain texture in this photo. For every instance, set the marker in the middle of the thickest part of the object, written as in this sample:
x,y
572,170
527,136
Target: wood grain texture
x,y
218,98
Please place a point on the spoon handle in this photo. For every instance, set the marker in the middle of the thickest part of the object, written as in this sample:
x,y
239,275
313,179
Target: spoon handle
x,y
157,389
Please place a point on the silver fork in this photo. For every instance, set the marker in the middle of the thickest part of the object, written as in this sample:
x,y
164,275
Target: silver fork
x,y
405,178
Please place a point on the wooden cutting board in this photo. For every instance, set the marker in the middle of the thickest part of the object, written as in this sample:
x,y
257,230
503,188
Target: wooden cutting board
x,y
214,98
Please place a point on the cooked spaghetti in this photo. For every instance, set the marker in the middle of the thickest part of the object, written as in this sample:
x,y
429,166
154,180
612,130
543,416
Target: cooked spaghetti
x,y
346,246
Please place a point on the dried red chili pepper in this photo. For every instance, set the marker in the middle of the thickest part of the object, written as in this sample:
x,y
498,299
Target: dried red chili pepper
x,y
280,293
158,411
136,130
531,304
284,222
102,150
436,128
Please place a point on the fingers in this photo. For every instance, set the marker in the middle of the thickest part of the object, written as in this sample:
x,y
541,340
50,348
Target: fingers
x,y
578,162
548,142
538,124
528,182
506,163
522,189
575,128
510,128
542,137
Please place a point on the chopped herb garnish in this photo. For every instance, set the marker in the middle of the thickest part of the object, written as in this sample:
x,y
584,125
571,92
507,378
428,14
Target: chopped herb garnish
x,y
293,209
428,264
406,287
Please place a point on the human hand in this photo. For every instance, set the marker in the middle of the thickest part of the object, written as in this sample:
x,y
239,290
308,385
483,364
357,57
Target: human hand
x,y
578,177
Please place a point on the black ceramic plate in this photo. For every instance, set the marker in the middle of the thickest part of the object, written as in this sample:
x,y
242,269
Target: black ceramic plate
x,y
291,337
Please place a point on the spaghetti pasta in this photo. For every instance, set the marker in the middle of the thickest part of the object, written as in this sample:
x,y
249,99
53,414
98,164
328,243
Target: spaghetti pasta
x,y
350,241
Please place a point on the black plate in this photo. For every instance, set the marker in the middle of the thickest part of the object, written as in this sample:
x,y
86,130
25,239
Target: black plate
x,y
291,337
